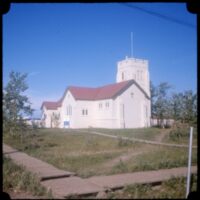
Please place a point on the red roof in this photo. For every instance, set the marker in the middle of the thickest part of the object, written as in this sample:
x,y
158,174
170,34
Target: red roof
x,y
105,92
51,105
84,93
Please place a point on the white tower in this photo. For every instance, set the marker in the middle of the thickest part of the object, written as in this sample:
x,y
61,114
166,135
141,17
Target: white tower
x,y
137,69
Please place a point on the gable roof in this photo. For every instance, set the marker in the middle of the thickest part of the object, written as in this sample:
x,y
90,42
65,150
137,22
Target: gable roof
x,y
110,91
105,92
51,105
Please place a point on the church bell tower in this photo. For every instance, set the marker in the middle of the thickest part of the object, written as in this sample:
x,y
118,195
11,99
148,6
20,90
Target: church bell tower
x,y
137,69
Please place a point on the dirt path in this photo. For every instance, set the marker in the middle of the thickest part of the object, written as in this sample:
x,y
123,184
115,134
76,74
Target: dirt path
x,y
130,154
141,140
122,158
127,156
86,153
160,137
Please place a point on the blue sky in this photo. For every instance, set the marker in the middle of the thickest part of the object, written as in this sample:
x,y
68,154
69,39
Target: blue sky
x,y
80,44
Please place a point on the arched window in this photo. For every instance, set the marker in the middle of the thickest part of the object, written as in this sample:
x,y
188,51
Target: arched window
x,y
122,76
69,110
132,95
141,75
138,75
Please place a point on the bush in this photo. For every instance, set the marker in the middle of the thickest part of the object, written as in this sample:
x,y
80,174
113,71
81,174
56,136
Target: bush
x,y
179,130
120,167
124,142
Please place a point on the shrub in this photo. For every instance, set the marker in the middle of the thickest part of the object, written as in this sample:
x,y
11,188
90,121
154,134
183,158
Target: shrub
x,y
179,130
120,167
124,142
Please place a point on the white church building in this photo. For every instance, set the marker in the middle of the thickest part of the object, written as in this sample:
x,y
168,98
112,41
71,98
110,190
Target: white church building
x,y
124,104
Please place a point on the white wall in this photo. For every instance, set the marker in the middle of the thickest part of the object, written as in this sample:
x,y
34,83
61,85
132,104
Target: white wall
x,y
126,111
131,108
67,116
104,115
48,122
83,114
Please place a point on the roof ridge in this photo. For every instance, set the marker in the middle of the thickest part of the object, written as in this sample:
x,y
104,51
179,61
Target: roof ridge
x,y
110,84
108,91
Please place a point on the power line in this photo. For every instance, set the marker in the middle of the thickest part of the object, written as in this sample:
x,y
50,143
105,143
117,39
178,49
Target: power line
x,y
160,15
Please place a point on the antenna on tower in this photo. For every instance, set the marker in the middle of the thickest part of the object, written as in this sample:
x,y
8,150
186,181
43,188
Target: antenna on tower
x,y
131,44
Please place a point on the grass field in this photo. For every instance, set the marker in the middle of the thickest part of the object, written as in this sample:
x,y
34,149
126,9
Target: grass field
x,y
141,133
171,189
152,134
88,154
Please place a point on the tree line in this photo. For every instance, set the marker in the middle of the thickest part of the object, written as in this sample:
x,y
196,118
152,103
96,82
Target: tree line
x,y
180,106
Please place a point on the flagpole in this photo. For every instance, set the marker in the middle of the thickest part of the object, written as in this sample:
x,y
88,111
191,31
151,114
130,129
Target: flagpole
x,y
131,44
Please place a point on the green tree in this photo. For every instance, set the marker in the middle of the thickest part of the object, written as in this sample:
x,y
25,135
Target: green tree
x,y
195,108
177,108
184,106
189,106
161,105
153,97
15,104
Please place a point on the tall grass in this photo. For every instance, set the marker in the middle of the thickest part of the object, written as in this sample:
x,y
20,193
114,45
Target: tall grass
x,y
155,159
174,188
17,178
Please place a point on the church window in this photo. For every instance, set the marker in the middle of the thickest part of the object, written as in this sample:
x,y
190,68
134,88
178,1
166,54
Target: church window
x,y
69,110
122,76
146,111
132,94
107,104
100,105
84,112
138,75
